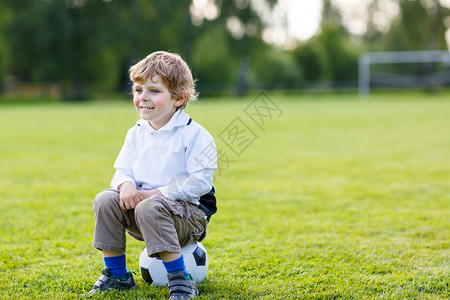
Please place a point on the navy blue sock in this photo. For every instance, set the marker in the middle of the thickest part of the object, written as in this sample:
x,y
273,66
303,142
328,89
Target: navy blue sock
x,y
117,266
175,265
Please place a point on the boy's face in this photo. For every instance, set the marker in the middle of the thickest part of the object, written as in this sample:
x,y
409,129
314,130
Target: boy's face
x,y
154,102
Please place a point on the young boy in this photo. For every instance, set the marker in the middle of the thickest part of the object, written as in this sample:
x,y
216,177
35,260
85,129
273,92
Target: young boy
x,y
162,189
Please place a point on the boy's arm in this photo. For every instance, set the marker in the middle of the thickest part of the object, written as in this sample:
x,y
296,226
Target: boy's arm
x,y
123,178
123,164
148,193
129,196
201,161
189,187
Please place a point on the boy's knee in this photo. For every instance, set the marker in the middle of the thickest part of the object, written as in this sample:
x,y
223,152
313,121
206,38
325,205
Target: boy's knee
x,y
106,200
150,209
146,207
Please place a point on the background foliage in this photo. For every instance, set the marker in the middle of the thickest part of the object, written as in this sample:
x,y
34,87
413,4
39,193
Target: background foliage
x,y
85,45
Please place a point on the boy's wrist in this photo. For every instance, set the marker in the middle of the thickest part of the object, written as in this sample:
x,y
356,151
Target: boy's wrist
x,y
126,184
148,193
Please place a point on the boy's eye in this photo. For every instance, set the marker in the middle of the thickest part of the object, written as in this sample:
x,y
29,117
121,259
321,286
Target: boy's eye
x,y
138,90
153,91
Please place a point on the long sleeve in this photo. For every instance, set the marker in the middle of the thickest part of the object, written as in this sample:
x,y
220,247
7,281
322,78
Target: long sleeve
x,y
189,187
201,161
123,164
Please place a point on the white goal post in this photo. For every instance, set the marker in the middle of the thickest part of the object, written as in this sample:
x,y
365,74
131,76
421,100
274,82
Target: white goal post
x,y
366,60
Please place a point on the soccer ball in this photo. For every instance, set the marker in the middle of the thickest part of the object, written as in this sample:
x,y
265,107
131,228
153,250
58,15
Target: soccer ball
x,y
195,259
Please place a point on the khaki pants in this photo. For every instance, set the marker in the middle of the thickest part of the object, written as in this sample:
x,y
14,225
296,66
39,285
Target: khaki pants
x,y
163,224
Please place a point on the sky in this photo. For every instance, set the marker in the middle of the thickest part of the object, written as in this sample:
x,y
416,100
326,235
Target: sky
x,y
304,17
293,20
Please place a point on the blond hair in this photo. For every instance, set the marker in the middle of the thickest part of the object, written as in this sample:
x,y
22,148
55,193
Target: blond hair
x,y
174,73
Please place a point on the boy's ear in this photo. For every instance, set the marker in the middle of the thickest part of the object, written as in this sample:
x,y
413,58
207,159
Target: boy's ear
x,y
181,100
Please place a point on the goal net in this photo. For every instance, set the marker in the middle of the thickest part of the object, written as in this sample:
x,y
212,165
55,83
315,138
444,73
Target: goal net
x,y
403,69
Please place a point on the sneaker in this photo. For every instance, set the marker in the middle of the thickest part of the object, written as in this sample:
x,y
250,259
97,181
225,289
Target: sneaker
x,y
181,288
107,282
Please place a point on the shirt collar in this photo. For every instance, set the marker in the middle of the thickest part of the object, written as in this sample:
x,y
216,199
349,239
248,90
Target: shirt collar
x,y
179,118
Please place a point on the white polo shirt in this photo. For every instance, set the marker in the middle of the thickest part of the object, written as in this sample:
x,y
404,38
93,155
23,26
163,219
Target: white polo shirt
x,y
178,159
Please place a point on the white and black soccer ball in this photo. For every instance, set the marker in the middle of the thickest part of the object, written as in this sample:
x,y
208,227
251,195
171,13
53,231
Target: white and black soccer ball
x,y
195,259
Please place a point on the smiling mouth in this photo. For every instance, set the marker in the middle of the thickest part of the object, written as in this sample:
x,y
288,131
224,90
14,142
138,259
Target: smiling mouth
x,y
146,107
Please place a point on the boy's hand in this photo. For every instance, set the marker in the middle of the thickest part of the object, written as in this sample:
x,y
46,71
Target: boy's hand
x,y
129,196
148,193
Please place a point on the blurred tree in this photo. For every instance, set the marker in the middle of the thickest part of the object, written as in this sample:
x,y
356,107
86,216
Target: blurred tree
x,y
5,17
341,52
331,55
212,60
276,69
85,43
244,26
67,42
331,14
375,10
312,61
420,25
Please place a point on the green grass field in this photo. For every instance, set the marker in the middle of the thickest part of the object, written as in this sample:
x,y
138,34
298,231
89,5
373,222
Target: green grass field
x,y
335,198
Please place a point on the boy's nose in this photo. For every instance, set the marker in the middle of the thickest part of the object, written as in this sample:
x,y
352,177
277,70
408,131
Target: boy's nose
x,y
144,96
